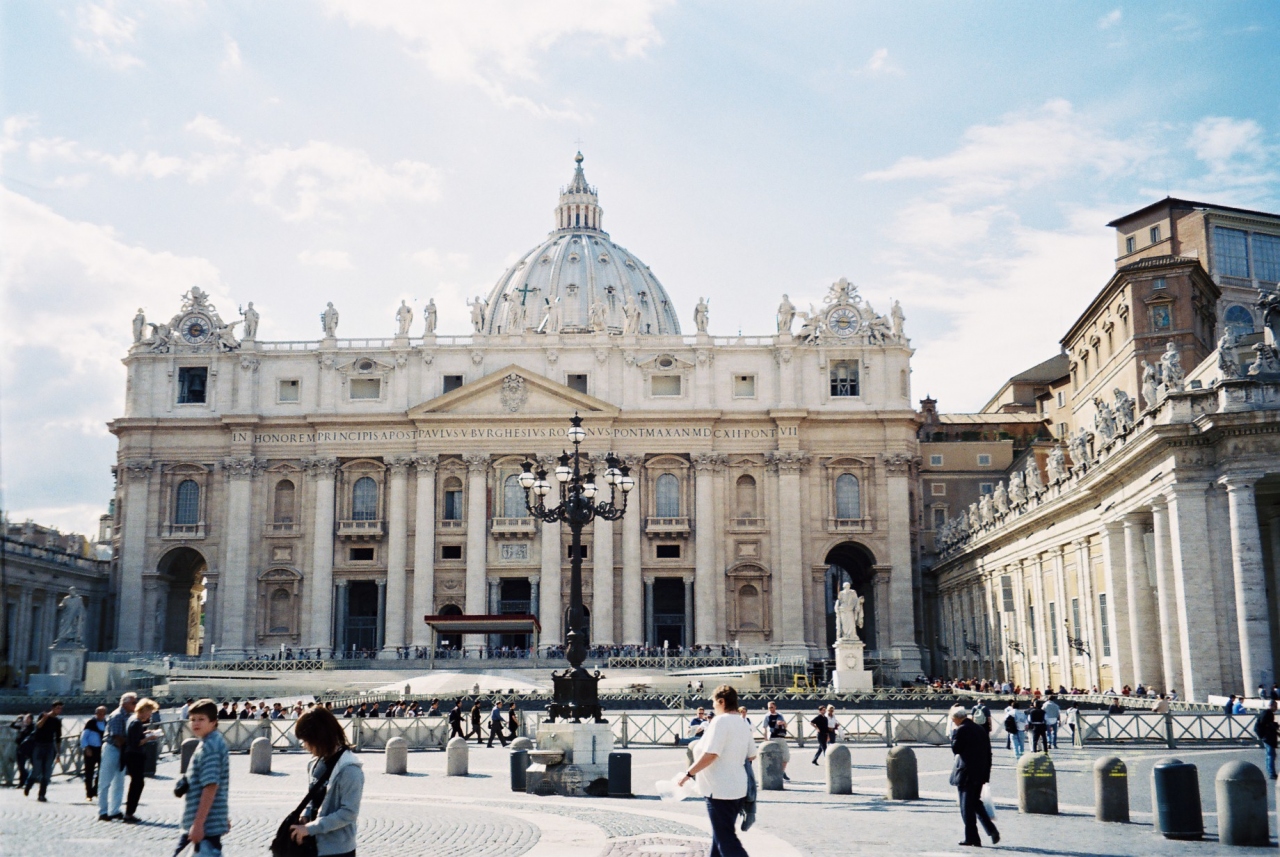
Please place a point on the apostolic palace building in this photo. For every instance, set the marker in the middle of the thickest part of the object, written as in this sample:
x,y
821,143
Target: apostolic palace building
x,y
330,493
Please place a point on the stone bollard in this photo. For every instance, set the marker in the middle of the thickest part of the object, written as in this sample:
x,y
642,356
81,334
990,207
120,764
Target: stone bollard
x,y
1242,805
770,762
397,756
260,756
456,757
839,771
188,749
521,744
903,776
1111,789
1037,785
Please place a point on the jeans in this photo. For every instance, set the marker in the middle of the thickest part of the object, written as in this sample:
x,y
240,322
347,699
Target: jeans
x,y
972,811
110,781
724,835
210,846
92,756
1019,746
1271,760
42,758
1053,733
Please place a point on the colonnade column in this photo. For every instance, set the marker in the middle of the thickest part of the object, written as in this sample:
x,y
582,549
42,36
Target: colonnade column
x,y
602,583
791,575
551,616
397,552
704,549
1252,617
1166,600
1042,645
1084,588
322,473
477,542
633,621
1065,672
133,555
1197,604
1118,600
902,613
1144,617
424,550
235,568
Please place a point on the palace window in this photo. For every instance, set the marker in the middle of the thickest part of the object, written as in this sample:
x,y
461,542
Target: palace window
x,y
513,499
1159,283
364,499
452,499
278,615
844,378
585,550
665,385
289,390
937,489
1031,628
451,383
186,506
1006,593
667,496
366,388
451,551
746,495
1231,247
1103,625
984,459
667,551
848,497
360,555
192,385
1239,320
1130,244
939,517
1266,257
935,461
1075,617
744,386
1053,627
1155,234
986,488
284,502
576,381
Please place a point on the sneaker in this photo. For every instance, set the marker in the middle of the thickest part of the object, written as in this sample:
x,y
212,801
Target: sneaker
x,y
104,817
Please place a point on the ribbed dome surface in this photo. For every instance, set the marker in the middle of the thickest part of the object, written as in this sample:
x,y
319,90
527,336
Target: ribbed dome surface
x,y
553,286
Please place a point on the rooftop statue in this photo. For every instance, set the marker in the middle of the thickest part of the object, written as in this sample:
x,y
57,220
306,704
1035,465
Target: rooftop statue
x,y
404,318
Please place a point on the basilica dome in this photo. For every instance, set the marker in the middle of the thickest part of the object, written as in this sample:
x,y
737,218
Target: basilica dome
x,y
577,280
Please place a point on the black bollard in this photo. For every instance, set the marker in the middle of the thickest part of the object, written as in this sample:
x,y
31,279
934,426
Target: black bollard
x,y
620,775
1175,800
519,765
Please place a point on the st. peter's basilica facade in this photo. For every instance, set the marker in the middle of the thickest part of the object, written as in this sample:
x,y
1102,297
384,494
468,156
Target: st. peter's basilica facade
x,y
330,493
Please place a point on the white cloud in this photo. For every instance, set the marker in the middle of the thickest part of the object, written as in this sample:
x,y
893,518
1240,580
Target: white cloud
x,y
1109,20
436,262
879,64
1218,140
1022,151
231,60
338,260
211,129
106,34
491,44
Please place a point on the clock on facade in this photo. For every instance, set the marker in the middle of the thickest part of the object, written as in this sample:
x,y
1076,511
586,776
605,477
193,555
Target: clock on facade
x,y
843,321
196,329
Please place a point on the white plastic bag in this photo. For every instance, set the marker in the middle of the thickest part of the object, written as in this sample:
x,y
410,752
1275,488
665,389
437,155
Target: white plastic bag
x,y
672,790
987,803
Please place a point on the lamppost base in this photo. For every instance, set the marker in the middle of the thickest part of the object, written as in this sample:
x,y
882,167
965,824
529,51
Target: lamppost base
x,y
577,760
576,697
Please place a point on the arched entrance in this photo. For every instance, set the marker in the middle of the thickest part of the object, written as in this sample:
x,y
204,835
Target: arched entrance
x,y
451,641
179,606
851,563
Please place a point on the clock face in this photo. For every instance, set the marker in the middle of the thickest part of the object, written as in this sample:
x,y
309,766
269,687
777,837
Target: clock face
x,y
843,321
196,329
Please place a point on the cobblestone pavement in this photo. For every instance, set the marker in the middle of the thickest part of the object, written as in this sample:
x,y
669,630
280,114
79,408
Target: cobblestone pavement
x,y
426,813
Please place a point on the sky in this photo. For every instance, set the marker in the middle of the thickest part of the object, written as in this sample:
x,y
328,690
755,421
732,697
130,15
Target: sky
x,y
960,157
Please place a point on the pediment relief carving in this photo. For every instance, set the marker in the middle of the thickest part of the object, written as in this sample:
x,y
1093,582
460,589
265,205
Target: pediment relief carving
x,y
514,390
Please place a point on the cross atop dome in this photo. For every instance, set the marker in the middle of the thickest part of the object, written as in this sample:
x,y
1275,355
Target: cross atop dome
x,y
579,206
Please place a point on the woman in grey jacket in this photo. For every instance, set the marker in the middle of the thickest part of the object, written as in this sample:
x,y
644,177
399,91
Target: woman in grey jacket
x,y
336,808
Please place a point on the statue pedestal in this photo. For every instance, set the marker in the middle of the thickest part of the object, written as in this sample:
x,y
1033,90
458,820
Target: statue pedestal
x,y
581,769
850,674
68,661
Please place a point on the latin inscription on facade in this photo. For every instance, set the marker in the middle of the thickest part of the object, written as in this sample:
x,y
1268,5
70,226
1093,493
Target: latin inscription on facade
x,y
508,433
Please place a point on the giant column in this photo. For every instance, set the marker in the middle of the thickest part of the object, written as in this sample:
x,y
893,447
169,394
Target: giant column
x,y
133,555
602,629
477,542
551,616
322,473
1042,645
1197,606
235,569
1144,617
704,550
1084,586
1252,617
791,575
424,550
1113,559
397,552
1066,671
633,617
1166,601
901,595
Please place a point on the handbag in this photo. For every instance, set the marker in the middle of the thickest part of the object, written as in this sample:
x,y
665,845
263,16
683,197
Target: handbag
x,y
283,845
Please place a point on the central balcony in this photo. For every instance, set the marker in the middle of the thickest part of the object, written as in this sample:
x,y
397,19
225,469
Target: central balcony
x,y
360,530
512,527
666,526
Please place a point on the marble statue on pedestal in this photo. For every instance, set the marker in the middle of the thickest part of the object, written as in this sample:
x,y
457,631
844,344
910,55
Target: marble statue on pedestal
x,y
899,320
599,320
1032,472
1057,465
786,315
1017,489
1080,449
1171,369
251,319
139,326
404,318
1150,385
849,615
329,321
478,307
631,312
1228,362
1125,410
850,673
70,620
1104,421
701,315
430,314
1001,499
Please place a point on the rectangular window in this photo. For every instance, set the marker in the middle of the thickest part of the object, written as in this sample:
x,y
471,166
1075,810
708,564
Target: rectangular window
x,y
453,504
289,390
938,489
986,488
1006,593
1130,244
1155,234
667,551
1031,625
984,460
1062,399
1231,247
366,388
1266,257
1160,318
1062,430
451,383
360,555
451,551
586,551
576,382
1075,618
1159,283
844,378
1053,628
935,461
939,517
1103,624
192,384
744,386
665,385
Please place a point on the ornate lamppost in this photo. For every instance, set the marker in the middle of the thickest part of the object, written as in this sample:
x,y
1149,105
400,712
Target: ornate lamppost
x,y
576,693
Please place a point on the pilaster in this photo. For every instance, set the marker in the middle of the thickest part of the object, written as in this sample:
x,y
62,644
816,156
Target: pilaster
x,y
397,552
322,472
424,549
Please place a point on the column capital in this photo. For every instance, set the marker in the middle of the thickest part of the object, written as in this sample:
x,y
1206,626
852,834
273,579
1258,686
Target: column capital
x,y
899,463
787,462
321,467
1115,525
426,463
708,461
139,469
341,584
1237,480
243,468
476,462
1182,490
398,465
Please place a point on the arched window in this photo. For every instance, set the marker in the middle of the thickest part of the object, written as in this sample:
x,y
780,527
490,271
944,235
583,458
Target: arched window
x,y
452,499
1239,320
283,507
750,615
186,507
364,499
746,496
513,505
848,499
667,496
278,615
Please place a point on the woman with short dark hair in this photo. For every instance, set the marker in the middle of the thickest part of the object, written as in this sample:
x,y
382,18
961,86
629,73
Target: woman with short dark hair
x,y
332,815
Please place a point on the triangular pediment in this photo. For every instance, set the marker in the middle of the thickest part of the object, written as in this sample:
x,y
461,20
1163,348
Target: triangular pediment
x,y
514,390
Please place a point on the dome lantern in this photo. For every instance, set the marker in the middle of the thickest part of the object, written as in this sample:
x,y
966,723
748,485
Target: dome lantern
x,y
579,206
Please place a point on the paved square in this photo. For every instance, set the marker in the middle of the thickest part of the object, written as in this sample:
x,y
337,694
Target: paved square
x,y
426,813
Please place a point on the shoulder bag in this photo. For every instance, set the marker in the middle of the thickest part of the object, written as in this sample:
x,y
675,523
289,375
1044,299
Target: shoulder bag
x,y
283,845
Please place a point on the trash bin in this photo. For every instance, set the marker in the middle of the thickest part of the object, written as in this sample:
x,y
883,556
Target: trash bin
x,y
519,765
619,775
150,756
1175,795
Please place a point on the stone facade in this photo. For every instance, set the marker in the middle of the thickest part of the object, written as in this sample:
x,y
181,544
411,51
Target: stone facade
x,y
330,493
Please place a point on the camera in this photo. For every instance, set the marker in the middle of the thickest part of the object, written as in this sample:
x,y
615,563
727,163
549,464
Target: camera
x,y
181,787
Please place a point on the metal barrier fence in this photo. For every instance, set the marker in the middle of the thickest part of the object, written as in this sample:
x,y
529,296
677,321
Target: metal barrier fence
x,y
1170,730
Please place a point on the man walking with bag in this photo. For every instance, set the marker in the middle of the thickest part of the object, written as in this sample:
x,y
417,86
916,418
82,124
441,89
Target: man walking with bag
x,y
1269,734
972,748
205,816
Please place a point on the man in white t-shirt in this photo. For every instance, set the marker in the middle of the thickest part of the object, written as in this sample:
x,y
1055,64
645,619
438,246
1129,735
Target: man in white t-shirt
x,y
719,764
